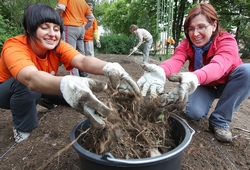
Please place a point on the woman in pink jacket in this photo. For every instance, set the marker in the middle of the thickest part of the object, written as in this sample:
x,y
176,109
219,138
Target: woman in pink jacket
x,y
215,72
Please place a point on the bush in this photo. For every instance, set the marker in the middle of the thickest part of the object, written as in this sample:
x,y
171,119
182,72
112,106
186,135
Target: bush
x,y
115,44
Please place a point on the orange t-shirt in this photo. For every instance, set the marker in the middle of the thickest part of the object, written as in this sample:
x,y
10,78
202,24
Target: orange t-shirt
x,y
75,12
89,34
17,54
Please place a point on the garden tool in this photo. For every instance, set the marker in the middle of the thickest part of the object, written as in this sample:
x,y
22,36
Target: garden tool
x,y
127,60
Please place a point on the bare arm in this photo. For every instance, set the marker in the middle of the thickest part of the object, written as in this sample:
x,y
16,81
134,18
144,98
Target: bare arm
x,y
89,64
44,82
39,81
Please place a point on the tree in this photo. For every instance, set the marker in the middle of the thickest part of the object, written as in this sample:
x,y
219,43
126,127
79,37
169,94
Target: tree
x,y
181,7
234,17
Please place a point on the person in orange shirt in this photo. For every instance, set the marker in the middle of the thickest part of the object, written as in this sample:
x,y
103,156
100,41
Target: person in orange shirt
x,y
91,34
73,13
28,72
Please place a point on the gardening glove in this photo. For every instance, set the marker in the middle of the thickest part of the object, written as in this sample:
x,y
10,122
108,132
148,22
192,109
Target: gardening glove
x,y
153,79
135,49
187,83
78,93
98,44
120,79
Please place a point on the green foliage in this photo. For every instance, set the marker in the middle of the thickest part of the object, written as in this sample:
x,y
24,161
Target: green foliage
x,y
234,15
115,44
11,17
7,29
119,15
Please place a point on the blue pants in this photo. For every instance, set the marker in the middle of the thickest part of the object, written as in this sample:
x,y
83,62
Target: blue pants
x,y
22,103
231,95
146,49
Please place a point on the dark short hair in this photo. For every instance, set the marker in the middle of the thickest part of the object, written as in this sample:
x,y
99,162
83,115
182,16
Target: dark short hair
x,y
37,14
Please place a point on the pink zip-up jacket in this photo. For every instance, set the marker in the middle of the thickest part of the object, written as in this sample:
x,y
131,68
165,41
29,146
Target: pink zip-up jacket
x,y
218,62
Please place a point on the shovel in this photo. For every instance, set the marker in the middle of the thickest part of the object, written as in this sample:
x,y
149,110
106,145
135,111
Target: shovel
x,y
127,60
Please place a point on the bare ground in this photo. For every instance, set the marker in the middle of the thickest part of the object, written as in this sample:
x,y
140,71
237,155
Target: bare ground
x,y
49,142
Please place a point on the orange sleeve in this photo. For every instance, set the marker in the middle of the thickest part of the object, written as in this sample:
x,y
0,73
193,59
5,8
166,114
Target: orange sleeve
x,y
66,53
89,34
95,25
17,54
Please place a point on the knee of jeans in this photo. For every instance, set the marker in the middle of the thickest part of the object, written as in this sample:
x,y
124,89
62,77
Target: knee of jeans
x,y
194,114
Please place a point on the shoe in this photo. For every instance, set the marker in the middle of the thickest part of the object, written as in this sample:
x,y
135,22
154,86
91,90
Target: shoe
x,y
223,135
20,136
46,104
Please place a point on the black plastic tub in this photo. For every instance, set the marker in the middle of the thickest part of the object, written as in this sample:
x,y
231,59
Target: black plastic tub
x,y
182,134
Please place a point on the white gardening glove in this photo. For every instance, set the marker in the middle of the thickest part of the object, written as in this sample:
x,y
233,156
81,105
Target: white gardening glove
x,y
78,93
120,79
153,79
187,83
98,44
135,49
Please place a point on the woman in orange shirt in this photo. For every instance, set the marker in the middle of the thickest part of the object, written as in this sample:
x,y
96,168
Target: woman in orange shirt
x,y
29,65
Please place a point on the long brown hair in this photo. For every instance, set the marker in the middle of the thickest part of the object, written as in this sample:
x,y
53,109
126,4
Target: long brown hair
x,y
208,11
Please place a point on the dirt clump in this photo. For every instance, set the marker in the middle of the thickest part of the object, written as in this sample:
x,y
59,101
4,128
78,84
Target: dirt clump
x,y
134,130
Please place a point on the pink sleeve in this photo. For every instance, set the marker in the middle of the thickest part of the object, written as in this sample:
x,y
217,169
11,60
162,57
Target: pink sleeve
x,y
174,64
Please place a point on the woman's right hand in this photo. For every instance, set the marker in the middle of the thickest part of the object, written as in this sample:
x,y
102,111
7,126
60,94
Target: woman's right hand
x,y
152,80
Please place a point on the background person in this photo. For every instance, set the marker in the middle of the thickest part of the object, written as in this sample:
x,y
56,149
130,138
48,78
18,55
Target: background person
x,y
89,36
88,41
73,13
144,37
215,72
29,65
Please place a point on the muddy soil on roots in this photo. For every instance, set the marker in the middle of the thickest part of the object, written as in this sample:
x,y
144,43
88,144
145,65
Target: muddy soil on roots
x,y
48,146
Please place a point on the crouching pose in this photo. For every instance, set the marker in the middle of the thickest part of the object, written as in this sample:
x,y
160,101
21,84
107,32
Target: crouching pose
x,y
29,65
215,72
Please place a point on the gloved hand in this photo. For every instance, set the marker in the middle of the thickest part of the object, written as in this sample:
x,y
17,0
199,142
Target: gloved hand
x,y
153,79
98,44
120,79
78,93
188,82
135,49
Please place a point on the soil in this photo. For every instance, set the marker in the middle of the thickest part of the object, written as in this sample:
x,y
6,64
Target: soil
x,y
48,146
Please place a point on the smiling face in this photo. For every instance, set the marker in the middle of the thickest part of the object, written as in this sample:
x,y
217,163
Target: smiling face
x,y
49,35
43,27
200,30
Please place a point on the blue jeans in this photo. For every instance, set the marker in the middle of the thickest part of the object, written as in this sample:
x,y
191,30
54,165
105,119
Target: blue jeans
x,y
146,49
22,103
231,95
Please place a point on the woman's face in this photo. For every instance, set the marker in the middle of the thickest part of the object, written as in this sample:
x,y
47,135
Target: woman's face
x,y
49,34
200,30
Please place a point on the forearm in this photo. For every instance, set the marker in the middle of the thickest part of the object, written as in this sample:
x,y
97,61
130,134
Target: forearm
x,y
43,82
91,65
95,66
139,44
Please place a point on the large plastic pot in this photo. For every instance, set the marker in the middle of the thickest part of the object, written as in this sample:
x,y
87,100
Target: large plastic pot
x,y
182,134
